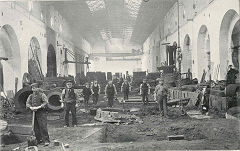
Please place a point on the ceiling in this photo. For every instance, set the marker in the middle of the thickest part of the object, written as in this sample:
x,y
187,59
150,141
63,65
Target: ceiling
x,y
113,25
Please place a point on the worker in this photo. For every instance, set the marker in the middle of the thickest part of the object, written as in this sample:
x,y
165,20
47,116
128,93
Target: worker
x,y
95,91
128,76
86,94
144,91
231,75
114,80
110,92
189,74
37,102
205,100
160,96
121,80
125,89
68,99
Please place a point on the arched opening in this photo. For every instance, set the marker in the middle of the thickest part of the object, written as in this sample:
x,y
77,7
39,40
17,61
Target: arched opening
x,y
9,48
186,55
229,33
203,53
34,60
51,62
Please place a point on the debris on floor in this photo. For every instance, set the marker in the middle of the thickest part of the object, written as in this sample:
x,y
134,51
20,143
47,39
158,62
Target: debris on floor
x,y
197,114
17,148
31,148
116,117
56,143
233,113
134,109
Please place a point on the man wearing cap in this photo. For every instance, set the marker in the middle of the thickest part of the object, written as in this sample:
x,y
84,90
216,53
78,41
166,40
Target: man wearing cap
x,y
125,88
37,103
86,94
160,96
68,98
110,92
144,91
95,91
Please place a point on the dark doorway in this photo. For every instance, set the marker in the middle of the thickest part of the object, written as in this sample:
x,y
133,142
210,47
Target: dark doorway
x,y
51,62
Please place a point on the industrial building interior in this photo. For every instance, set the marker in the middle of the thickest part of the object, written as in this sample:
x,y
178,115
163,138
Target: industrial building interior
x,y
187,52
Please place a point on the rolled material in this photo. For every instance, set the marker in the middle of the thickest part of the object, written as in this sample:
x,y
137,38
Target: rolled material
x,y
54,100
20,98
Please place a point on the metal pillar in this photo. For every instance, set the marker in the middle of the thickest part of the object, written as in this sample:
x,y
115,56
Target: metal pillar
x,y
178,45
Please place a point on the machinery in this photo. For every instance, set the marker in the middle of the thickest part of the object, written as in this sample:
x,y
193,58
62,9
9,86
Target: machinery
x,y
174,78
52,86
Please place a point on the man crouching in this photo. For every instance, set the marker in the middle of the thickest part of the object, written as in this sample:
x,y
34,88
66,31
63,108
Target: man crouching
x,y
37,103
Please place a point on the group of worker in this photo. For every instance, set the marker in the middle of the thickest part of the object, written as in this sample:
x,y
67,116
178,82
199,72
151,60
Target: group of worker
x,y
93,90
160,95
38,100
110,92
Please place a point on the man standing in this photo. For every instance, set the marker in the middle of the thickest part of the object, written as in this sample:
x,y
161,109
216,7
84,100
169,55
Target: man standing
x,y
231,75
189,75
37,103
69,100
110,91
86,94
125,88
205,99
95,91
144,91
160,95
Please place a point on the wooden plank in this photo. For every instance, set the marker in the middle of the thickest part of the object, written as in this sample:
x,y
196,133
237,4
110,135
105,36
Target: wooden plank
x,y
139,102
175,137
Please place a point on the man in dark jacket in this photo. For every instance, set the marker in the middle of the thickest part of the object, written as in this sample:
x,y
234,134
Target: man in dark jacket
x,y
86,94
37,103
125,88
95,91
110,91
69,100
144,91
231,75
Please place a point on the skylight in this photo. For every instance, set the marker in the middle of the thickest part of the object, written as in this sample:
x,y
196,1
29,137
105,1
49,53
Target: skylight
x,y
119,21
133,7
95,5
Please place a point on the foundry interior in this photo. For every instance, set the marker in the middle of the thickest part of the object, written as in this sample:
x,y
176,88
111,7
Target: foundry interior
x,y
192,46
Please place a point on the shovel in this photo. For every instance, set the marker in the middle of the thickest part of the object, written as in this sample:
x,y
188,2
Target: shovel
x,y
32,141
